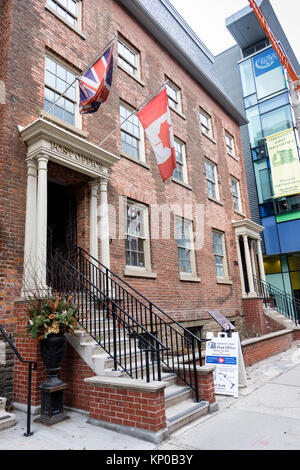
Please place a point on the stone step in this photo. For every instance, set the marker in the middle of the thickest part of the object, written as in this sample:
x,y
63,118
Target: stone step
x,y
184,412
176,394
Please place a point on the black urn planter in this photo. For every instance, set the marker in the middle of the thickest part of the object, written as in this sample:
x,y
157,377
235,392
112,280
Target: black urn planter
x,y
52,351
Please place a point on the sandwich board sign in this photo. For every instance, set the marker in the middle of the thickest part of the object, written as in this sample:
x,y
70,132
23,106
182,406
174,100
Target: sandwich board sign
x,y
224,351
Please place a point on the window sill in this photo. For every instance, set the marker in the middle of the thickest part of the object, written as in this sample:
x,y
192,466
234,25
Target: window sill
x,y
215,200
182,183
239,213
223,280
65,125
61,18
189,277
233,156
179,113
135,272
135,160
209,137
132,76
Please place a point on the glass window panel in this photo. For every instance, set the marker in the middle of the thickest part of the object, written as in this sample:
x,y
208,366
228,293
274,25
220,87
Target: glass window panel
x,y
50,79
59,112
270,82
277,121
254,126
250,101
247,77
70,118
50,65
274,103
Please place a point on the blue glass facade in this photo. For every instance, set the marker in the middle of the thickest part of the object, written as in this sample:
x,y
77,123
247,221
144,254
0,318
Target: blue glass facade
x,y
269,111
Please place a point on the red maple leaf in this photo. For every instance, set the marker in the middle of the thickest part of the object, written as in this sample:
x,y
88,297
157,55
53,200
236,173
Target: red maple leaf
x,y
164,134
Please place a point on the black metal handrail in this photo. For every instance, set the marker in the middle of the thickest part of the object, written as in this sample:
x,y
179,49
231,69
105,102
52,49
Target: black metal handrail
x,y
278,299
32,365
183,348
107,322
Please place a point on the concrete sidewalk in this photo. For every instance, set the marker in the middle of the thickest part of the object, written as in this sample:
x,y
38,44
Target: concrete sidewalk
x,y
266,416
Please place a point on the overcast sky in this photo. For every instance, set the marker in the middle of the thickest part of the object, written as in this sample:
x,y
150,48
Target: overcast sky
x,y
207,19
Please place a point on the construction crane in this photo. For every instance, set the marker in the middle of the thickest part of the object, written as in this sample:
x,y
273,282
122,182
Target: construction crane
x,y
281,55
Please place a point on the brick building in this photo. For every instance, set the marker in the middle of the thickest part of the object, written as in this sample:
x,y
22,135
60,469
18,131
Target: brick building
x,y
69,180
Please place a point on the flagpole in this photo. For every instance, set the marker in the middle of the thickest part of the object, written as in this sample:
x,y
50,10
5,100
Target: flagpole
x,y
135,111
80,75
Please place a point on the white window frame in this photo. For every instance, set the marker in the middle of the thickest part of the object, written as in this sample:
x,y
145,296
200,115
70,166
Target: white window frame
x,y
145,236
214,181
140,139
122,59
206,127
183,274
223,256
57,5
236,196
174,103
182,164
77,115
230,144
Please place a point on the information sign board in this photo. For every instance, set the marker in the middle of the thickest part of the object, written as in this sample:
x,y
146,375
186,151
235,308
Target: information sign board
x,y
224,351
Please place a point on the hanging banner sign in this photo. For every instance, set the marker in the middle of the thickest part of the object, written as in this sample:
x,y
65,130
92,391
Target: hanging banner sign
x,y
284,161
265,62
224,351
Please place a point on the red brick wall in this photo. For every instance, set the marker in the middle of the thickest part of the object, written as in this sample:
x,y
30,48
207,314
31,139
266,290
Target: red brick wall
x,y
73,372
265,348
25,97
206,387
128,408
254,315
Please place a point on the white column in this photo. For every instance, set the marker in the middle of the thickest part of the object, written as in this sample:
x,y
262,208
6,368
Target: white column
x,y
253,256
104,224
261,262
94,185
30,227
41,223
248,265
237,238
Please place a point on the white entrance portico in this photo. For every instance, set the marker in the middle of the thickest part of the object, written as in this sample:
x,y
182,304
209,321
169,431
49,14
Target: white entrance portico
x,y
48,142
248,244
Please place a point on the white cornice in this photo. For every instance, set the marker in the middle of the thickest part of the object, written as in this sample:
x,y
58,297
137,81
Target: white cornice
x,y
41,131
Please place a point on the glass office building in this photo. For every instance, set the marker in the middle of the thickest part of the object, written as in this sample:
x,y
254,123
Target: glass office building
x,y
265,95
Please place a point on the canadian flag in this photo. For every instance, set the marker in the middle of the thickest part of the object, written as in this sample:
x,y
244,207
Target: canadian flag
x,y
155,119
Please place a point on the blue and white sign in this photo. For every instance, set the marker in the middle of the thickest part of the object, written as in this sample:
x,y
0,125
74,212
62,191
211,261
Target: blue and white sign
x,y
265,62
224,352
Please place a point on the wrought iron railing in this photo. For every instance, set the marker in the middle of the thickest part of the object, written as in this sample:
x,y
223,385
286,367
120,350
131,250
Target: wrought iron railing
x,y
32,365
169,342
183,349
132,347
278,299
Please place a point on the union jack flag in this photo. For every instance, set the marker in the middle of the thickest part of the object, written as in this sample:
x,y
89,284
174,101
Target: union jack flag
x,y
95,84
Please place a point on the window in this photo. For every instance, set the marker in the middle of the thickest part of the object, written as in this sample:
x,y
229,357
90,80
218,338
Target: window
x,y
189,331
68,9
277,120
235,187
254,126
131,133
212,179
186,255
57,79
220,255
137,236
247,77
174,96
229,144
180,173
128,58
206,126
